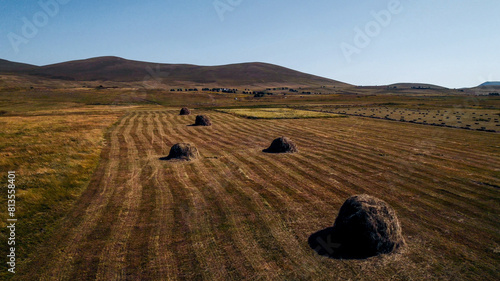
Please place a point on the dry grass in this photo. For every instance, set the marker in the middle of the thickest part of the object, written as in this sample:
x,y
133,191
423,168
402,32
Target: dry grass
x,y
238,213
276,113
242,214
54,154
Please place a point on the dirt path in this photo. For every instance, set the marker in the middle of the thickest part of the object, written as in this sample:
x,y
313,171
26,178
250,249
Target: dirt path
x,y
241,214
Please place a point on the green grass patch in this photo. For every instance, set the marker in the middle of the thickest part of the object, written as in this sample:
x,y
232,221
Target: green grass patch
x,y
277,113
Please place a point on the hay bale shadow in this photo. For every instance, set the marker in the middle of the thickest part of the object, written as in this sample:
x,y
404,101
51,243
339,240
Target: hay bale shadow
x,y
321,242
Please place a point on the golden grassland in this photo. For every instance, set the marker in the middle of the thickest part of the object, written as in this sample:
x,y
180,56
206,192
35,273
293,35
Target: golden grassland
x,y
95,201
276,113
238,213
54,154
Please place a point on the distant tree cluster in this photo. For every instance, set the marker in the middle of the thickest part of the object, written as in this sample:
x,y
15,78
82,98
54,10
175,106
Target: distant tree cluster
x,y
260,94
246,91
186,90
220,90
277,89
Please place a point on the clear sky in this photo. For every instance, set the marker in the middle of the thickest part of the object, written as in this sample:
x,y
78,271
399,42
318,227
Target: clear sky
x,y
453,43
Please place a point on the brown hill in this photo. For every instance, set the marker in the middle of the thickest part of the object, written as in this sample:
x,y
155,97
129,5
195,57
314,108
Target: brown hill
x,y
122,70
14,67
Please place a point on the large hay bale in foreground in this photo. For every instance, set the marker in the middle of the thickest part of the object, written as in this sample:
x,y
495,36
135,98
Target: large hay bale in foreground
x,y
282,145
185,111
183,151
365,226
202,120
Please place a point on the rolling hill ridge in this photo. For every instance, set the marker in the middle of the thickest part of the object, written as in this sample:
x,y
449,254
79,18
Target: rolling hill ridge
x,y
122,70
13,67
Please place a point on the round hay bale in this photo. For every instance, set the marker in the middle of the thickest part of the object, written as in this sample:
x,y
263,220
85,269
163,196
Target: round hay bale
x,y
202,120
365,226
183,151
185,111
282,145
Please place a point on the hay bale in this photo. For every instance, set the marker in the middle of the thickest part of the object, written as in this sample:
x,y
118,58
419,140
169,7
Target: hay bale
x,y
365,226
282,145
202,120
185,111
183,151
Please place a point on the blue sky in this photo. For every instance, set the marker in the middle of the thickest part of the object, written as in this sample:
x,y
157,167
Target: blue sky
x,y
450,43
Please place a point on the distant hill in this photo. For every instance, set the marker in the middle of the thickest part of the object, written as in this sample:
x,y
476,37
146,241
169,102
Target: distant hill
x,y
416,86
121,70
491,83
487,88
13,67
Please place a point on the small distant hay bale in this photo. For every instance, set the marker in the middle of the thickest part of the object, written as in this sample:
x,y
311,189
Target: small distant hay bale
x,y
185,111
183,151
202,120
365,226
282,145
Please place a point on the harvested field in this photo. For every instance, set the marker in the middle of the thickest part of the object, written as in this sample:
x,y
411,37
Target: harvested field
x,y
241,214
276,113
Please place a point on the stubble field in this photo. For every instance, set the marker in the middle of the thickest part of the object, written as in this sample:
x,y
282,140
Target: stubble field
x,y
462,118
240,214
